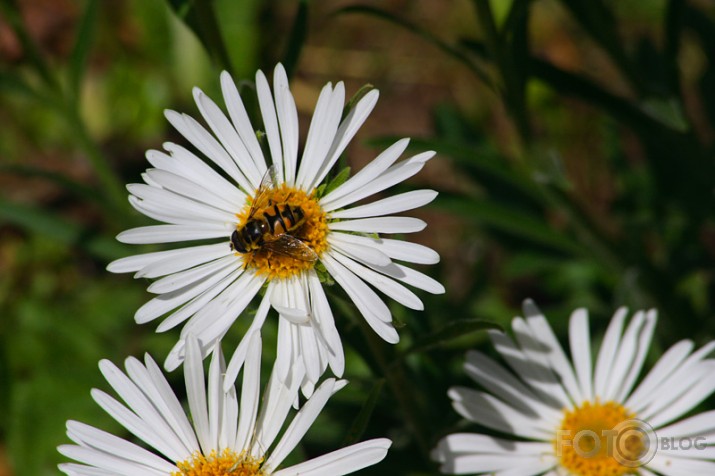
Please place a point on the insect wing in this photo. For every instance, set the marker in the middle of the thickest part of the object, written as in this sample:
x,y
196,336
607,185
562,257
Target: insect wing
x,y
289,245
268,182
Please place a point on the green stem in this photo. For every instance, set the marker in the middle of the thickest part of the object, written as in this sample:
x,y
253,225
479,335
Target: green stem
x,y
395,373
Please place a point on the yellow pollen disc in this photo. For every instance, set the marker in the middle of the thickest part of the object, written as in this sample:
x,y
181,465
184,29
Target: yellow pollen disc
x,y
313,232
228,463
594,440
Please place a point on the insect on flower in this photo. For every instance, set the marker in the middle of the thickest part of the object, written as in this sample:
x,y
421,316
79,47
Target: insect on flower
x,y
273,226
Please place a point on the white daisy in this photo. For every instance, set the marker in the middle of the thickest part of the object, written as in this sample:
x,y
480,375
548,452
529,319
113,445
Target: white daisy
x,y
225,438
208,285
571,418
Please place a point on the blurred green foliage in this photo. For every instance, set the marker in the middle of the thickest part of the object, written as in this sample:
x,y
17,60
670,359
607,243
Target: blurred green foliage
x,y
580,154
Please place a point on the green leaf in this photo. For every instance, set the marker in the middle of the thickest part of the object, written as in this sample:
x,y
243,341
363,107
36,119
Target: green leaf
x,y
339,179
202,20
359,94
453,330
359,424
82,46
668,111
296,40
37,220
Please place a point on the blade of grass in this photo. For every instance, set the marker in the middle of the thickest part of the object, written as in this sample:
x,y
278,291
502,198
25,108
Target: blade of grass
x,y
82,47
451,331
296,39
359,424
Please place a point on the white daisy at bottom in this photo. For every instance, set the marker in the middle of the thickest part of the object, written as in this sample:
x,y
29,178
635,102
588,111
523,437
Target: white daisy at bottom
x,y
225,439
564,417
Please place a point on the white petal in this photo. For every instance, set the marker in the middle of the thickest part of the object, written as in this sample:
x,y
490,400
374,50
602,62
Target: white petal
x,y
368,303
395,249
580,342
243,126
270,121
172,233
227,135
642,346
241,353
671,360
394,204
609,348
104,442
188,188
322,313
362,252
542,382
384,284
185,163
380,225
502,383
249,392
343,461
345,133
207,144
163,399
107,461
276,405
394,175
196,393
300,424
177,281
483,408
552,350
288,120
535,351
191,300
367,174
696,425
323,127
141,261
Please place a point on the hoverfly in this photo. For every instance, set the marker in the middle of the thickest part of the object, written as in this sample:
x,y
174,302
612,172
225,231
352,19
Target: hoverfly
x,y
272,229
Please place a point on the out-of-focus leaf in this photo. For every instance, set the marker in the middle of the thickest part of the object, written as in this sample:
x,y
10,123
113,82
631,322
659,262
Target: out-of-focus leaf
x,y
203,22
296,39
668,112
359,424
455,53
56,228
82,46
453,330
509,220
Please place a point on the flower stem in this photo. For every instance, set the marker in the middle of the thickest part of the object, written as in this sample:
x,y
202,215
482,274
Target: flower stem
x,y
401,386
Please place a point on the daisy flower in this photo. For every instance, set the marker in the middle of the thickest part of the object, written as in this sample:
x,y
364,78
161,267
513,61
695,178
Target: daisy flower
x,y
276,221
564,417
224,438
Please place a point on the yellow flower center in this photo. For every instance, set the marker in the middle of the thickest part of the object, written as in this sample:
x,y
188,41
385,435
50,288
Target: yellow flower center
x,y
294,231
600,439
228,463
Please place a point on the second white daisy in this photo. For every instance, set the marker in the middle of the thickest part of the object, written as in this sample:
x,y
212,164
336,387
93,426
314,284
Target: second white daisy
x,y
573,418
225,438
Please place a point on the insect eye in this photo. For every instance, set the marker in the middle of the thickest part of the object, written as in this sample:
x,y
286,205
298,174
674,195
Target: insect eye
x,y
255,230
